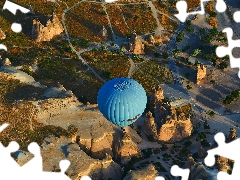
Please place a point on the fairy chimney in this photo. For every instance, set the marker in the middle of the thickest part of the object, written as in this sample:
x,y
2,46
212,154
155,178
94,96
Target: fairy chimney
x,y
46,32
135,45
2,35
201,72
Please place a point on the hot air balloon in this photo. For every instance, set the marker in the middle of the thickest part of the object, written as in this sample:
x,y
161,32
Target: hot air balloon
x,y
122,101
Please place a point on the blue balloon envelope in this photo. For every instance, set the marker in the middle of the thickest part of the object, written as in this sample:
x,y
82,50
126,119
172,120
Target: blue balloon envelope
x,y
122,101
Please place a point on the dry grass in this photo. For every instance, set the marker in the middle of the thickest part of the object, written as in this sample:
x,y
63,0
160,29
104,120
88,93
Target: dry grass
x,y
86,21
104,62
116,18
193,4
139,18
150,74
41,6
210,9
167,23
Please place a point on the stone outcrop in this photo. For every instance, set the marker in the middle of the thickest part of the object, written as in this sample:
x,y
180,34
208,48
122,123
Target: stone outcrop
x,y
46,32
156,96
95,136
15,73
133,134
103,33
199,171
6,62
2,35
135,45
190,161
232,135
125,149
201,73
144,174
151,39
57,92
222,164
175,130
171,126
150,127
81,163
22,157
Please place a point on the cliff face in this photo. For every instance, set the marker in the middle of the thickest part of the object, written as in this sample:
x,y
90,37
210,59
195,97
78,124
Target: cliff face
x,y
41,32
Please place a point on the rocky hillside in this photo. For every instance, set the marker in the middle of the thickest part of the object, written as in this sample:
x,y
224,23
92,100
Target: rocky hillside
x,y
64,127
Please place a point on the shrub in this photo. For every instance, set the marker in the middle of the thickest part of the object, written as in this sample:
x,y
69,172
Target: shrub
x,y
187,143
222,65
211,113
213,81
156,54
165,55
189,28
205,143
150,138
164,147
189,87
201,136
206,126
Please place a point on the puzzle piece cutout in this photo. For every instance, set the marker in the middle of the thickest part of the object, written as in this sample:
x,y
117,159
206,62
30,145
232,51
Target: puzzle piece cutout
x,y
16,27
32,169
159,178
227,150
177,171
34,148
236,16
222,51
183,14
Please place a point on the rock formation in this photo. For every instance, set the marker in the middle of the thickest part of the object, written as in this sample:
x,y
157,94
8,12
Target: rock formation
x,y
57,92
6,62
22,157
103,33
201,73
150,128
175,130
171,125
133,134
199,171
46,32
125,149
157,96
144,174
151,39
81,163
2,34
222,164
232,135
190,161
135,45
95,136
